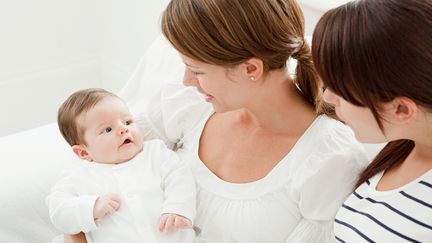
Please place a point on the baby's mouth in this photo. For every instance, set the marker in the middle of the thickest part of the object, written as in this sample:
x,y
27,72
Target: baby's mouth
x,y
126,141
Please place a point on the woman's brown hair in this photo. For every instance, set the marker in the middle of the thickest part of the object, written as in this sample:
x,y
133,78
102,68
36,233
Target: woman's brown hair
x,y
372,51
228,32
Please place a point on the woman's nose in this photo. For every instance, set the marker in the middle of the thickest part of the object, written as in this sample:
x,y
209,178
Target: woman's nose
x,y
189,78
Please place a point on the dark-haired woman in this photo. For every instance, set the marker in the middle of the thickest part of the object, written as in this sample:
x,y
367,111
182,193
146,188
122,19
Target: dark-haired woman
x,y
375,57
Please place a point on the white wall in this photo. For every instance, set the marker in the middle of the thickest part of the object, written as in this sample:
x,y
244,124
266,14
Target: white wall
x,y
312,16
50,48
125,31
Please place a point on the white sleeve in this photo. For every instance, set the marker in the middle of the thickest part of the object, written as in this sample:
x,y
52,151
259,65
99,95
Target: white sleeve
x,y
178,185
69,212
172,113
323,182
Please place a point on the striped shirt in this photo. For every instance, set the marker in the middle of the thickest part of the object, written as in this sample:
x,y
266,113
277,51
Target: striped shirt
x,y
400,215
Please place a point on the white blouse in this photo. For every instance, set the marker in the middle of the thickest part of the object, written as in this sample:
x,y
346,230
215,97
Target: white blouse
x,y
295,202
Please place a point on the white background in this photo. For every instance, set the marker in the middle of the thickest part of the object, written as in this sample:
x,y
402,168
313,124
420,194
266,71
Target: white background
x,y
50,48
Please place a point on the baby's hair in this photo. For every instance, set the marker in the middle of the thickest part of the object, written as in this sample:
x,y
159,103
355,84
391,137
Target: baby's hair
x,y
371,51
78,103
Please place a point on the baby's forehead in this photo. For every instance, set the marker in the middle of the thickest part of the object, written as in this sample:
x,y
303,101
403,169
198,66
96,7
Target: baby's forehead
x,y
105,111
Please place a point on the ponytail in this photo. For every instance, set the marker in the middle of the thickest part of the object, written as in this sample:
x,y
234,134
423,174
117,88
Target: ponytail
x,y
309,83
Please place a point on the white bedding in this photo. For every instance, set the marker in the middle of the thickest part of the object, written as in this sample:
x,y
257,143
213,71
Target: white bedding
x,y
31,161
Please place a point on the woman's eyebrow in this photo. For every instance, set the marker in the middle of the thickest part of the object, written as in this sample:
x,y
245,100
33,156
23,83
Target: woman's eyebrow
x,y
187,64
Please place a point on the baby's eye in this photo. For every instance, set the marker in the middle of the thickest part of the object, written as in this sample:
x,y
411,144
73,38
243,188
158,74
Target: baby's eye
x,y
108,129
128,122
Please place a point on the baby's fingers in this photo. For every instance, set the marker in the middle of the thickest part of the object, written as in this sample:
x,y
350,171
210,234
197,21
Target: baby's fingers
x,y
109,210
115,204
166,223
162,222
182,223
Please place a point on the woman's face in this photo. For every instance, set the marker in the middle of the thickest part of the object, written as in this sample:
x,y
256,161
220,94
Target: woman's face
x,y
224,88
360,119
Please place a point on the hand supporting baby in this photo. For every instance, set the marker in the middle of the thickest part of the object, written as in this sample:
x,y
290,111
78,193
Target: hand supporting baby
x,y
106,205
170,222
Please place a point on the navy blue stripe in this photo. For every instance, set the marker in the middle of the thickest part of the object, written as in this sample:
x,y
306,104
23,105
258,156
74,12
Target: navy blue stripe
x,y
355,230
380,223
417,200
397,211
357,195
339,239
426,183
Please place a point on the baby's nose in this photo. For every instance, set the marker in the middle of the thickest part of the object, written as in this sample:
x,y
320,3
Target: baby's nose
x,y
123,130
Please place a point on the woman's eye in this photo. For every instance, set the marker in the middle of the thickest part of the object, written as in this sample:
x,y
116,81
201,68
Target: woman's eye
x,y
108,129
196,73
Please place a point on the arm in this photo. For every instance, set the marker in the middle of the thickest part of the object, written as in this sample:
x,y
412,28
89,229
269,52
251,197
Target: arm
x,y
322,183
71,212
179,189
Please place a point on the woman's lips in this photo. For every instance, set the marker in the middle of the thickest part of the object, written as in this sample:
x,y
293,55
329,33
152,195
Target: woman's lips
x,y
208,97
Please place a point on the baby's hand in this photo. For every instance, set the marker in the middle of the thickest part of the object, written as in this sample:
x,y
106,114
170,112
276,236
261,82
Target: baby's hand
x,y
106,205
170,222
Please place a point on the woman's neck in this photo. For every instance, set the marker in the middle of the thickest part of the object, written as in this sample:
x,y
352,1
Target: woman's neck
x,y
420,131
278,106
421,154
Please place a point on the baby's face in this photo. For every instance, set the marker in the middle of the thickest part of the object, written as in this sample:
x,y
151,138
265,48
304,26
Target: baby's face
x,y
111,134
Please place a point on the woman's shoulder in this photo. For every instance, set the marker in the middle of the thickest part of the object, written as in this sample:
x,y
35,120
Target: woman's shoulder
x,y
330,135
328,146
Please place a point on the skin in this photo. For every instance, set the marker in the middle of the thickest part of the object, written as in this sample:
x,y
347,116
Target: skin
x,y
402,119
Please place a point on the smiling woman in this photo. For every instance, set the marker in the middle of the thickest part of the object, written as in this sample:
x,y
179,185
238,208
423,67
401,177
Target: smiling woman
x,y
261,147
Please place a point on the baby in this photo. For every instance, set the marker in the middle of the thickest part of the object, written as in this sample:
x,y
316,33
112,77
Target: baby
x,y
126,190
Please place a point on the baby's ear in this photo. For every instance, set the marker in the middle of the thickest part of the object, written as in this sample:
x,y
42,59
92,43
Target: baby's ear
x,y
81,151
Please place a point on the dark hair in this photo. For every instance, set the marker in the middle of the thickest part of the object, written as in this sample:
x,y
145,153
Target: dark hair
x,y
76,104
228,32
372,51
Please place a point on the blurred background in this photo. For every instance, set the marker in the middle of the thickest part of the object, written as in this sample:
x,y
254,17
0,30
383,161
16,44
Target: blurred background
x,y
50,48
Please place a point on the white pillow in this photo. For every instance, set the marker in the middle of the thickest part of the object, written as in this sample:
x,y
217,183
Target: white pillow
x,y
160,64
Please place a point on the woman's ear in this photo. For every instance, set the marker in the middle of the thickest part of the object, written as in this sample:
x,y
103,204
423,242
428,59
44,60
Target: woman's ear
x,y
81,151
401,109
253,68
